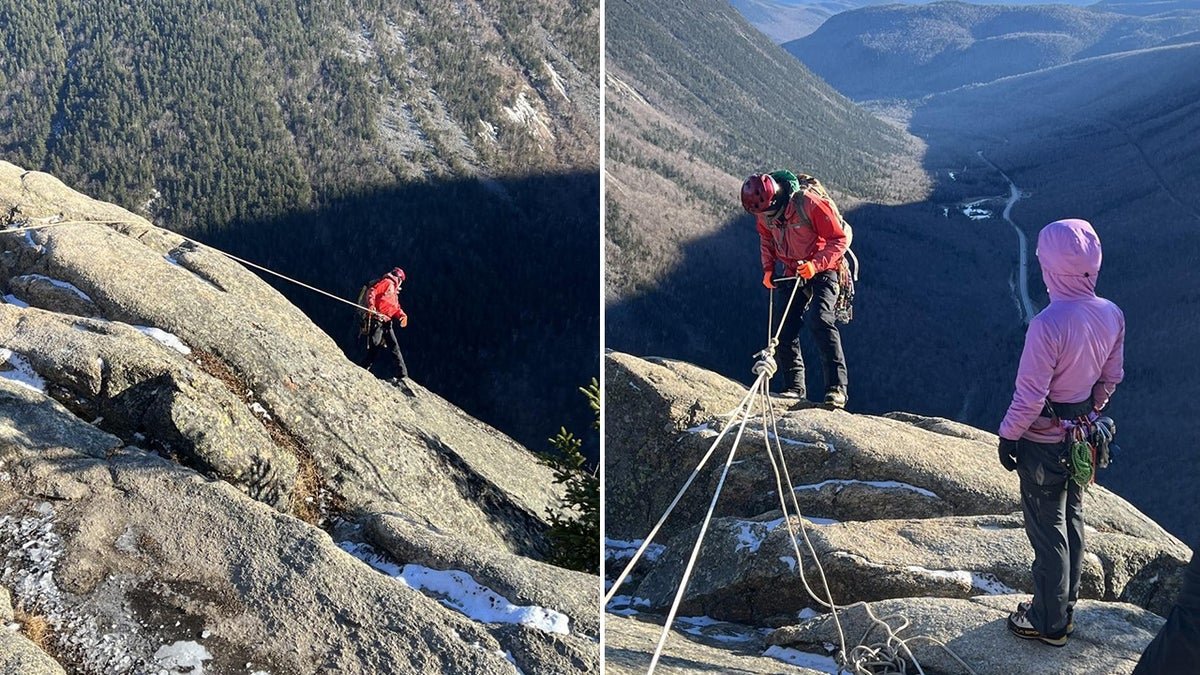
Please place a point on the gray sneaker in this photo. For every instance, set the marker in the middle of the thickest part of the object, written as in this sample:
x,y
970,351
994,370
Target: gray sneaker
x,y
792,392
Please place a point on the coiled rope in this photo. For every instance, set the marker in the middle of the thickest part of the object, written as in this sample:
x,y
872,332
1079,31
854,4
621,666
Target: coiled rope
x,y
54,221
892,655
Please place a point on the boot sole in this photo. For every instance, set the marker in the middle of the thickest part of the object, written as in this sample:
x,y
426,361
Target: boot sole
x,y
1025,634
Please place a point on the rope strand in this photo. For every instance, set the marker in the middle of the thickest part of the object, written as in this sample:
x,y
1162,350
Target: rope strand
x,y
26,228
893,655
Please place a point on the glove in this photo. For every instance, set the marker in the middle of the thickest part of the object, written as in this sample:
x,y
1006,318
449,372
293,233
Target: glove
x,y
403,320
806,270
1008,454
767,279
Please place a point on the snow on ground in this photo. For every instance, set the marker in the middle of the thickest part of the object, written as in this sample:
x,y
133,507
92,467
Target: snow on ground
x,y
166,339
34,550
617,549
712,629
626,605
753,533
459,591
821,664
17,369
885,484
807,613
182,657
985,582
61,284
14,300
556,81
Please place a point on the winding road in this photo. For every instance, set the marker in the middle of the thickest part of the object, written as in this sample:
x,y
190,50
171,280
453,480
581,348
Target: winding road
x,y
1021,292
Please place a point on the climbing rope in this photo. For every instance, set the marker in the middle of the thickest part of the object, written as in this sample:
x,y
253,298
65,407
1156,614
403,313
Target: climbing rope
x,y
892,655
53,222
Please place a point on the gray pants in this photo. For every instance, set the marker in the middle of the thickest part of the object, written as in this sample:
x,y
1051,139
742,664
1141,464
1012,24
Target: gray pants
x,y
1053,507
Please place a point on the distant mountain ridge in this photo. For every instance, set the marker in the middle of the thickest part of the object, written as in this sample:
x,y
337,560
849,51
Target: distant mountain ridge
x,y
787,20
909,51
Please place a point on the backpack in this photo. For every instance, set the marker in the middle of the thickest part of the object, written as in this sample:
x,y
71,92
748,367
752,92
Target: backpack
x,y
843,309
361,316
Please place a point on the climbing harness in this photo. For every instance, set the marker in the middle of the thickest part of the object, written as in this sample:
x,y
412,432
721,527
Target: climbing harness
x,y
892,655
1088,436
55,221
1089,446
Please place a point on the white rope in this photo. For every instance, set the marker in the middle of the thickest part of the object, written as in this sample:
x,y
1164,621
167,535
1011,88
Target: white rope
x,y
26,228
687,572
890,657
893,654
696,472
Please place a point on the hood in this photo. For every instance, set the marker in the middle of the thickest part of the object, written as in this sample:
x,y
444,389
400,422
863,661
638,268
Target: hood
x,y
1069,253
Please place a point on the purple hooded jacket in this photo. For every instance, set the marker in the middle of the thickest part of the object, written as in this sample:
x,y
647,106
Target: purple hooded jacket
x,y
1075,346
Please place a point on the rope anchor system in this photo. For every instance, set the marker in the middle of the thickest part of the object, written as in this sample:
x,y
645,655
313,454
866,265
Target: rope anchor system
x,y
892,656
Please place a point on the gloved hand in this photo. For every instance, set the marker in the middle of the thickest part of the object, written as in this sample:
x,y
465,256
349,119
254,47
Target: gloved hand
x,y
806,270
767,279
403,320
1008,454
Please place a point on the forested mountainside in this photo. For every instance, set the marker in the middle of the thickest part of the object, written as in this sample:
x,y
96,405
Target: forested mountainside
x,y
908,51
332,141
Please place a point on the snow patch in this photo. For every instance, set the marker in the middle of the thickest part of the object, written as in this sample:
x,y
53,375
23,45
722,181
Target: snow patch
x,y
34,551
807,613
59,284
626,605
459,591
752,534
523,112
789,561
884,484
183,657
14,300
988,583
166,339
617,549
556,81
17,369
720,631
821,664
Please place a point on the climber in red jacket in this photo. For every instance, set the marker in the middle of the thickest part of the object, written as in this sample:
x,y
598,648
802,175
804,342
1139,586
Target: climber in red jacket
x,y
383,301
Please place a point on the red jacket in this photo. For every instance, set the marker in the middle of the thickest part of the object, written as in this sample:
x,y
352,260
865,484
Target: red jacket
x,y
789,239
384,297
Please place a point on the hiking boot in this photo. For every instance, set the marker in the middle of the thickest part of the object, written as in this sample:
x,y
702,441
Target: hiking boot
x,y
1025,605
793,392
1018,624
836,397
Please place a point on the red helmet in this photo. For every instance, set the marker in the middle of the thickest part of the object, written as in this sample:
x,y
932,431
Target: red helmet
x,y
758,192
398,273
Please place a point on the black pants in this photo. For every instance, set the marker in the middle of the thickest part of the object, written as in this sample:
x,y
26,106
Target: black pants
x,y
813,304
382,334
1053,507
1176,648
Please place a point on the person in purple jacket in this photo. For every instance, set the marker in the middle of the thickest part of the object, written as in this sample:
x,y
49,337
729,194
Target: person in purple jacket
x,y
1070,366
